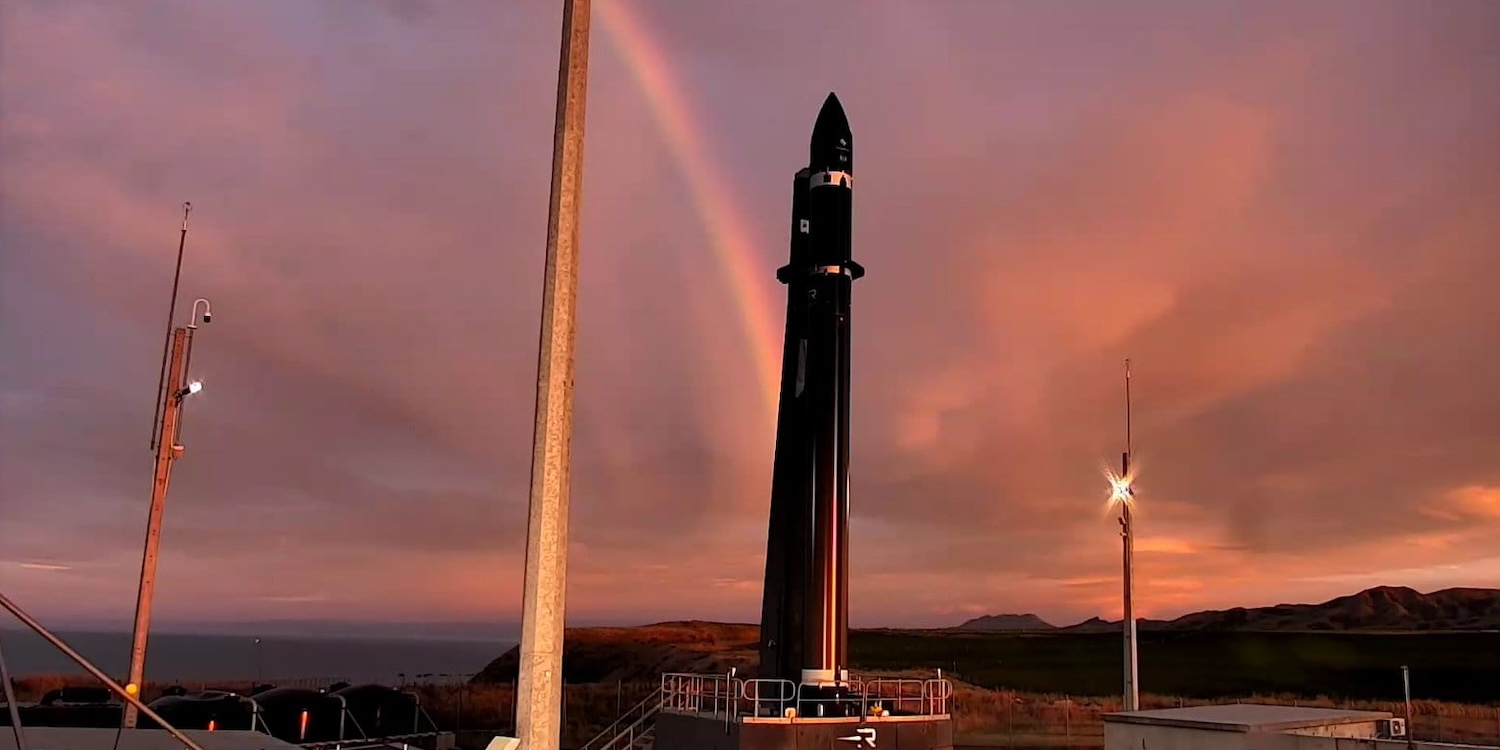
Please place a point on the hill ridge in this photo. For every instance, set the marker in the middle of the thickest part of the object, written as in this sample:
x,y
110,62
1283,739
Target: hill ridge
x,y
613,655
1376,608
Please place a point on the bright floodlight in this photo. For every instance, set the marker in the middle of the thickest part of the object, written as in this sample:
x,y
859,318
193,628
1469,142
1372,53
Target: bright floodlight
x,y
194,387
1120,490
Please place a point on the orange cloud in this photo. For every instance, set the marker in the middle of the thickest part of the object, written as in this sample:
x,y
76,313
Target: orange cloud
x,y
1166,546
1476,502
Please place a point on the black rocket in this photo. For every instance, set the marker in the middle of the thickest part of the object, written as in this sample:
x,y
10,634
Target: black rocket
x,y
805,612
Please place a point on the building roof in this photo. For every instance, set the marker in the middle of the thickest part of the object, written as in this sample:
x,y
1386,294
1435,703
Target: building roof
x,y
1245,717
75,738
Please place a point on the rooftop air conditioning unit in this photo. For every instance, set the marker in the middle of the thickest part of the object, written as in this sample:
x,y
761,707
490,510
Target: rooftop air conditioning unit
x,y
1389,729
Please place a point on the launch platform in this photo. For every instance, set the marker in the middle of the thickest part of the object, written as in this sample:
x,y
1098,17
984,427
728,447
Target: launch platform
x,y
721,712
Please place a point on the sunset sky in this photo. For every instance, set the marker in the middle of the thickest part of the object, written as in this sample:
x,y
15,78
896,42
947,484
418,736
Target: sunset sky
x,y
1286,214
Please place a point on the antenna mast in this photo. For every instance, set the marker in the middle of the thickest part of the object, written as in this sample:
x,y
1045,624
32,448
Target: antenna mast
x,y
1127,415
161,380
1127,537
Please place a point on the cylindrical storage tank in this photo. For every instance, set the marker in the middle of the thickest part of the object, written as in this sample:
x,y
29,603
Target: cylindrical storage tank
x,y
211,709
380,711
299,716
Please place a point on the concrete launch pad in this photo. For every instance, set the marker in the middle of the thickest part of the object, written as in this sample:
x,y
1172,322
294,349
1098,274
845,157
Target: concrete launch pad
x,y
686,732
720,712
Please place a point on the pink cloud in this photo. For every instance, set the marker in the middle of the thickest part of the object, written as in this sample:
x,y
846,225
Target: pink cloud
x,y
1285,221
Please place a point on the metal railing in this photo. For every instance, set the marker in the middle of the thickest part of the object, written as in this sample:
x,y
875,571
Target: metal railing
x,y
729,698
768,697
914,697
713,694
633,726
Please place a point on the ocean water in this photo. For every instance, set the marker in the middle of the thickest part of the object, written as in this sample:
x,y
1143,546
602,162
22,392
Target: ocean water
x,y
188,658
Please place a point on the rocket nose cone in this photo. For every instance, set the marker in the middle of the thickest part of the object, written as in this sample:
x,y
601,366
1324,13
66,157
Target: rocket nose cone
x,y
832,144
831,117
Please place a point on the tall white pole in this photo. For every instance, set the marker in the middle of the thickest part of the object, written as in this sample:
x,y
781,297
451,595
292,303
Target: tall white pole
x,y
539,683
1132,676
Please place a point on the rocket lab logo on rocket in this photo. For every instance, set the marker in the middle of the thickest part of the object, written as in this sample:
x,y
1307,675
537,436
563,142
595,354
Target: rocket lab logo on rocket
x,y
862,737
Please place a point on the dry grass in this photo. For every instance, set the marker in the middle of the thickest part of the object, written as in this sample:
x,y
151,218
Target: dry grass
x,y
985,718
696,633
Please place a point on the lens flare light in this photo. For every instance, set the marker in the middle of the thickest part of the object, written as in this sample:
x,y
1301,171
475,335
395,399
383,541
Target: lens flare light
x,y
1121,488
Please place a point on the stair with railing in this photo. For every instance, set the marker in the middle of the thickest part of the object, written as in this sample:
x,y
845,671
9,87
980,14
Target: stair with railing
x,y
634,730
729,699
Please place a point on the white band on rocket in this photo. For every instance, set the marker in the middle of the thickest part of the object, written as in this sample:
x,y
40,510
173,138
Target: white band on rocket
x,y
825,179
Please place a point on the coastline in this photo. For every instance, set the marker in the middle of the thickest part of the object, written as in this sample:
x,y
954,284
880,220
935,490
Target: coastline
x,y
200,656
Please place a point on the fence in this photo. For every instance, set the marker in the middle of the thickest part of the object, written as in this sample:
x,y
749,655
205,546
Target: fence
x,y
729,697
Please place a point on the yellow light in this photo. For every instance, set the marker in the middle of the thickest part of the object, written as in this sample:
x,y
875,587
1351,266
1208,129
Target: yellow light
x,y
1120,488
132,689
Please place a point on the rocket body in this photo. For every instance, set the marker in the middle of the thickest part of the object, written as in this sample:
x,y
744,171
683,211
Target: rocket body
x,y
805,615
787,556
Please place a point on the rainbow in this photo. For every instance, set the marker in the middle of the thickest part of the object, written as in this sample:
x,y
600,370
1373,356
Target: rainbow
x,y
729,239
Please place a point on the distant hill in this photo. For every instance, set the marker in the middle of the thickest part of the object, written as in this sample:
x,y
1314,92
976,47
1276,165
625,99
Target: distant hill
x,y
1096,625
1380,608
985,653
645,652
994,623
1383,608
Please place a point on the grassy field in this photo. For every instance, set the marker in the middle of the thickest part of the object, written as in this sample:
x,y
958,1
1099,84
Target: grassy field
x,y
984,718
1459,667
1024,690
